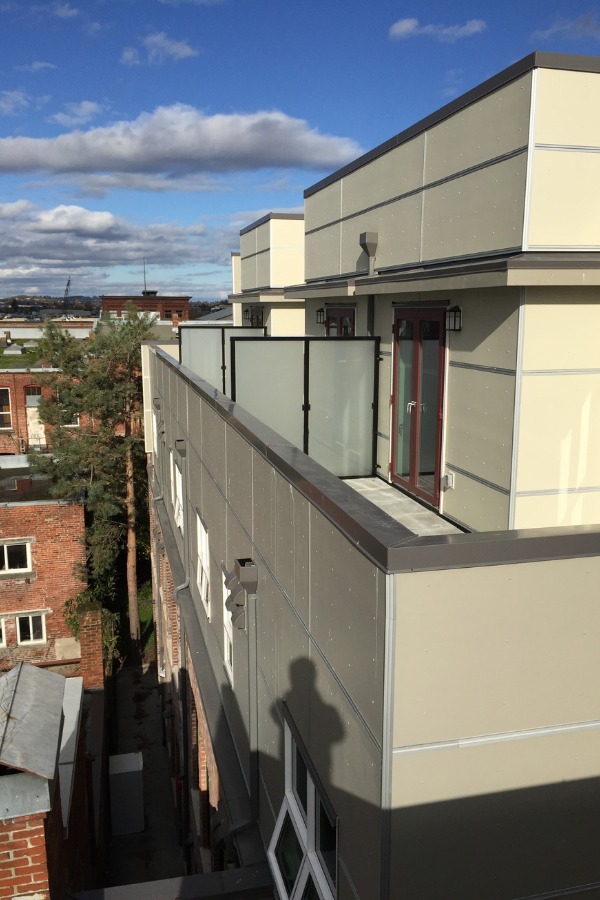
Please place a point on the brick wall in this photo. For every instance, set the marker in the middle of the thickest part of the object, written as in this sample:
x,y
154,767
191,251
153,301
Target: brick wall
x,y
15,440
56,534
90,639
23,860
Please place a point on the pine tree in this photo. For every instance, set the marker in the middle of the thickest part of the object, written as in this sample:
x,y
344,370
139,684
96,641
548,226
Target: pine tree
x,y
95,410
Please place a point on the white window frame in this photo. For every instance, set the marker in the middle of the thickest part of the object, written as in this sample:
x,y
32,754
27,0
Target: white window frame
x,y
31,616
203,564
3,552
305,826
9,413
227,632
176,490
154,434
2,631
32,391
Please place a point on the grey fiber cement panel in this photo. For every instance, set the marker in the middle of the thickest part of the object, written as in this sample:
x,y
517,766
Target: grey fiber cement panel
x,y
534,60
232,781
382,539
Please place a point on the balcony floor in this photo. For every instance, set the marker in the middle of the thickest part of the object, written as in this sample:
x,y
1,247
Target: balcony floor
x,y
403,509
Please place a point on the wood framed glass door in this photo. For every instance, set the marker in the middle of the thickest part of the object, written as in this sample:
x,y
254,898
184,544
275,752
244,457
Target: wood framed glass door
x,y
419,337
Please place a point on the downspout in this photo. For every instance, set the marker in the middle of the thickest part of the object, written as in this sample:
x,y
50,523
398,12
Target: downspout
x,y
155,501
183,685
253,705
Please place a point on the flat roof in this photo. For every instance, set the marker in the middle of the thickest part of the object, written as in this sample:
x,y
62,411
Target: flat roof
x,y
272,215
537,60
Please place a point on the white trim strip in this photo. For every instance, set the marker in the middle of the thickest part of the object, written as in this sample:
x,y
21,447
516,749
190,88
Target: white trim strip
x,y
502,737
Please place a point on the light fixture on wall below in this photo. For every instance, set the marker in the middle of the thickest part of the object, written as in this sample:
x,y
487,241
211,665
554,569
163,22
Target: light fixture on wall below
x,y
247,314
454,319
321,316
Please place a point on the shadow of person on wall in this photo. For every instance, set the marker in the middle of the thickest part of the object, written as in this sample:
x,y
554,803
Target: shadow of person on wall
x,y
304,709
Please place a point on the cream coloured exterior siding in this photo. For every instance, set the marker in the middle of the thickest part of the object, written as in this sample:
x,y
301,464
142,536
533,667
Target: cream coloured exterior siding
x,y
558,466
485,717
272,253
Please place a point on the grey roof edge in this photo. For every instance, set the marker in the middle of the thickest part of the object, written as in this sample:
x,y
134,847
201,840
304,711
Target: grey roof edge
x,y
386,542
502,263
24,794
271,215
244,828
536,60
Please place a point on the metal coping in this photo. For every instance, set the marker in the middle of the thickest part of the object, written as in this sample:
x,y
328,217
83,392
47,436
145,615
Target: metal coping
x,y
268,217
492,263
389,544
535,60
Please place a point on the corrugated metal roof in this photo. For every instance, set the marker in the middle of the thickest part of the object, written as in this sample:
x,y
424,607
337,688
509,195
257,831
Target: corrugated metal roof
x,y
31,711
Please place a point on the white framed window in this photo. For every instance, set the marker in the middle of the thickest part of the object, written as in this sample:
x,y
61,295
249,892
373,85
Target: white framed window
x,y
227,632
31,628
176,491
154,435
5,413
15,557
2,633
203,564
303,850
33,395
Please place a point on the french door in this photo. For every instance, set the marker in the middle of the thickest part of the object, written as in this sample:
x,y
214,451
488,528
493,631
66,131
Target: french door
x,y
417,401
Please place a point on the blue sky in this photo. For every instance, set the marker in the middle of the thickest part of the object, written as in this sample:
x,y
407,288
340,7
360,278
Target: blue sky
x,y
159,128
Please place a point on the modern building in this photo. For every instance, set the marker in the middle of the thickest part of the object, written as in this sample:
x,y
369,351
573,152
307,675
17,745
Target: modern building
x,y
376,558
271,256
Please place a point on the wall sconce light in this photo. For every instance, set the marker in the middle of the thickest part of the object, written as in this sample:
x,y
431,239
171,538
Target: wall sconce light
x,y
454,319
242,581
321,316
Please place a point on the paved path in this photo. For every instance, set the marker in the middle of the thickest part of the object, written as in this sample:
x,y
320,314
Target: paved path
x,y
155,852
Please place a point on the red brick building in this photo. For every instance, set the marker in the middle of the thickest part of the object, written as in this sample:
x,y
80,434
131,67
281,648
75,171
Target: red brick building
x,y
20,426
41,550
167,307
46,846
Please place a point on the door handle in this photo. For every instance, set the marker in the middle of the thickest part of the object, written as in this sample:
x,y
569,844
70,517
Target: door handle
x,y
410,405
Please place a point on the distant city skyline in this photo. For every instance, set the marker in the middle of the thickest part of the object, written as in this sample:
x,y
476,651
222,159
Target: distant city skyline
x,y
158,129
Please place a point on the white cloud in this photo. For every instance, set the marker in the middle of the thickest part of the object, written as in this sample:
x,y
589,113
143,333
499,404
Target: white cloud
x,y
15,210
43,246
453,82
407,28
581,28
160,48
37,66
77,113
12,102
130,57
179,140
65,11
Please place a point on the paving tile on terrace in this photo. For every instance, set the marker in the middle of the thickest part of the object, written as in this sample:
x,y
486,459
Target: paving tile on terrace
x,y
420,520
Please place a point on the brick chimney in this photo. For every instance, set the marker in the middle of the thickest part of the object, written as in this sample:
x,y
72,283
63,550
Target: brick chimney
x,y
90,639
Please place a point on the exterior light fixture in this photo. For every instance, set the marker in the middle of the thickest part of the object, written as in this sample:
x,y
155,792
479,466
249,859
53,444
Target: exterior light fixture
x,y
247,314
321,316
454,319
241,582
